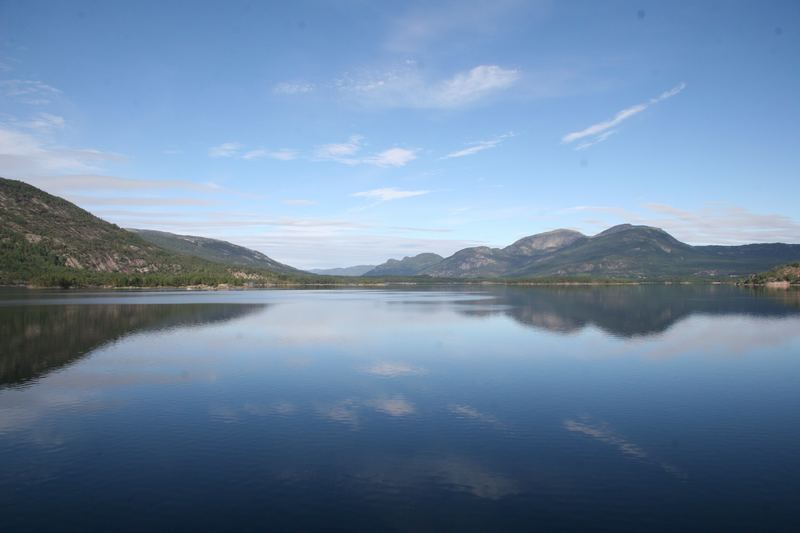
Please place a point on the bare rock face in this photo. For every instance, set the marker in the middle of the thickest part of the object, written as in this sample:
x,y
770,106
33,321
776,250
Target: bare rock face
x,y
544,242
483,261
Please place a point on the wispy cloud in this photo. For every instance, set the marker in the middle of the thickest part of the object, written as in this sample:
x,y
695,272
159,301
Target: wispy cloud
x,y
44,123
229,149
479,146
299,201
259,153
284,154
340,152
28,153
290,88
348,153
388,194
602,130
98,182
32,92
237,150
406,87
596,140
85,200
434,23
324,246
393,157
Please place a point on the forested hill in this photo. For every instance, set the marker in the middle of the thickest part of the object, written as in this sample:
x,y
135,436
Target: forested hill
x,y
46,240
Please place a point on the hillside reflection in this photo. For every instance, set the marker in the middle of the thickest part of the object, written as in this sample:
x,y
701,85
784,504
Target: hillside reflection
x,y
628,311
36,340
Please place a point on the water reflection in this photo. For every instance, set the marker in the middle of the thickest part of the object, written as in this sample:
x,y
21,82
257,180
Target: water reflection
x,y
35,340
471,409
629,311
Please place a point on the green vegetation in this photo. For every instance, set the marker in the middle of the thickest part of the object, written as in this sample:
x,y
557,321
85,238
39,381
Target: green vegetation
x,y
49,242
783,274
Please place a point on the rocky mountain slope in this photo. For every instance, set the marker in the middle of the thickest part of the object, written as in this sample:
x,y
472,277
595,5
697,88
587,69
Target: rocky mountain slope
x,y
47,240
213,250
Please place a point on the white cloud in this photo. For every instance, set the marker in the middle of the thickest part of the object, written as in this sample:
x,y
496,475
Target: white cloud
x,y
478,146
388,194
713,224
348,153
44,123
255,154
31,92
284,154
406,87
291,88
321,246
84,200
340,152
467,87
599,131
24,154
229,149
95,182
597,140
437,23
393,157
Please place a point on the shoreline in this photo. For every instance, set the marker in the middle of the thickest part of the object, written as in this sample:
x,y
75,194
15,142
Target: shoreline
x,y
421,283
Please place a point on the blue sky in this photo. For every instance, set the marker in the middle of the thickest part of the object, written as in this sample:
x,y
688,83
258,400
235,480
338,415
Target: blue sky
x,y
337,133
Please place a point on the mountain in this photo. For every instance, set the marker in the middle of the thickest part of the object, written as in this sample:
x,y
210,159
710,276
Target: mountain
x,y
482,261
212,250
643,252
407,266
47,240
623,251
357,270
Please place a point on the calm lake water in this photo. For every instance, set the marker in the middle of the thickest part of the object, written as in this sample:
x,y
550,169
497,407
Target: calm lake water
x,y
609,408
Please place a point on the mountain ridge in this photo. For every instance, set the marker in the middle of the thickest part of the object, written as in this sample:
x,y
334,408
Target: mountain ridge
x,y
214,250
47,240
624,251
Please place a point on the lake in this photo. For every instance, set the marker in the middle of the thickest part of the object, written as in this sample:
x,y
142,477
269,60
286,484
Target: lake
x,y
473,408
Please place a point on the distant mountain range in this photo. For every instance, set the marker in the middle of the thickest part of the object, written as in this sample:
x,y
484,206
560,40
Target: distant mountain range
x,y
357,270
47,240
407,266
624,251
